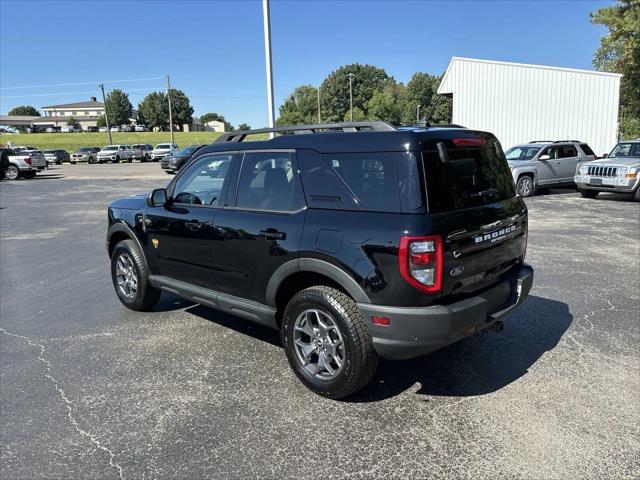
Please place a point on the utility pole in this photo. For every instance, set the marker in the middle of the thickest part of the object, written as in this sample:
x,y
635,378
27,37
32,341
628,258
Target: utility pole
x,y
319,121
267,58
418,113
170,110
106,117
351,96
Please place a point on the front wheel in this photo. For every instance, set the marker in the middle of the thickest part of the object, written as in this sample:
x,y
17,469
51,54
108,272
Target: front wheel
x,y
327,342
588,193
130,277
636,196
524,187
12,172
117,160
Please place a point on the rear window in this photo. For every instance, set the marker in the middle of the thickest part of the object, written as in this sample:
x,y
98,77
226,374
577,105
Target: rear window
x,y
586,149
466,176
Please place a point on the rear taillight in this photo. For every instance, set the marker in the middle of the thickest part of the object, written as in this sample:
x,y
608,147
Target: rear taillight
x,y
28,160
469,142
421,260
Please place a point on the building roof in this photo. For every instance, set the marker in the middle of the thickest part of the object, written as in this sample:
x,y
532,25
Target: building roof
x,y
63,118
89,104
5,119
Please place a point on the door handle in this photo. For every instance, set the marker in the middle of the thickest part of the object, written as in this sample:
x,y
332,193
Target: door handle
x,y
195,226
272,234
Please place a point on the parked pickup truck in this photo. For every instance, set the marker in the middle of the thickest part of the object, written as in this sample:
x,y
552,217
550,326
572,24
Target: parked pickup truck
x,y
24,162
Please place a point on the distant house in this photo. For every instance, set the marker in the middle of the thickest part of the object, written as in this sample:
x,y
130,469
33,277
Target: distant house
x,y
214,126
86,114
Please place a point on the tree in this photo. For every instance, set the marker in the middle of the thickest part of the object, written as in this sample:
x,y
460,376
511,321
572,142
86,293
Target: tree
x,y
24,110
334,91
207,117
181,109
154,108
101,122
118,107
388,104
421,90
619,52
358,115
244,126
71,122
300,107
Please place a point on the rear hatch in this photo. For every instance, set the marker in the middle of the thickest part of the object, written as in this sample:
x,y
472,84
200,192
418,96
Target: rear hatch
x,y
474,207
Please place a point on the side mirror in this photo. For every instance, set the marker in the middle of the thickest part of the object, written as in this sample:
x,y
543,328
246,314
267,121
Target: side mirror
x,y
544,157
605,155
157,197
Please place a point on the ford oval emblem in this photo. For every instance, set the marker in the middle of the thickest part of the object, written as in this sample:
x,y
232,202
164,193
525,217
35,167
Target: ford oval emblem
x,y
456,271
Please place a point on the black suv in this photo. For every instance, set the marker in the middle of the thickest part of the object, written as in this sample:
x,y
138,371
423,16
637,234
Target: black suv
x,y
355,240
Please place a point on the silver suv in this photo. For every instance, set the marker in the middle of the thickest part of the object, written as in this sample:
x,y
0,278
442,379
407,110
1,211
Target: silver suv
x,y
619,172
543,164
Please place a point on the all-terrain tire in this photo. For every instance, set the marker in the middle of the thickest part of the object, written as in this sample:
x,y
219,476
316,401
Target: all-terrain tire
x,y
145,296
588,193
360,358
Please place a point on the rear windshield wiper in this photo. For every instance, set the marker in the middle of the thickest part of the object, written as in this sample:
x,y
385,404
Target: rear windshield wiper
x,y
486,193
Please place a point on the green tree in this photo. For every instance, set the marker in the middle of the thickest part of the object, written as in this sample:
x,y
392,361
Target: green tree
x,y
421,90
334,91
300,107
118,107
154,108
24,110
71,122
181,109
101,122
619,52
207,117
388,104
244,126
358,115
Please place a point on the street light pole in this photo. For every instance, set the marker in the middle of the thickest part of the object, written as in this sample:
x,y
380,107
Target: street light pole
x,y
319,121
106,116
350,96
418,113
267,57
170,110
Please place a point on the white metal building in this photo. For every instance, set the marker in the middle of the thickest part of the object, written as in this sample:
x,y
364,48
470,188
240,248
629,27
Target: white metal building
x,y
520,103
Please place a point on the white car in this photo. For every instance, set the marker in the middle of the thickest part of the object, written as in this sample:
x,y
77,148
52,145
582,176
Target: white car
x,y
103,129
115,129
162,150
70,129
115,154
140,128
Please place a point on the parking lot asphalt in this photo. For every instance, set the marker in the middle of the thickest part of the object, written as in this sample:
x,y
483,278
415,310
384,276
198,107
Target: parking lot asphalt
x,y
91,390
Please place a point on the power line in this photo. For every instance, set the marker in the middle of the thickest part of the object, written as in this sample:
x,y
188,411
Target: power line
x,y
82,83
74,93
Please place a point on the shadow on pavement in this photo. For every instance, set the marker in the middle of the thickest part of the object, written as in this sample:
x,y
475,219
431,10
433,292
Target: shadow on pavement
x,y
480,364
47,176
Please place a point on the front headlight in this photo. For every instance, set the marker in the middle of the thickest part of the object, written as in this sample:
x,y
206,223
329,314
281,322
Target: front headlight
x,y
622,171
583,170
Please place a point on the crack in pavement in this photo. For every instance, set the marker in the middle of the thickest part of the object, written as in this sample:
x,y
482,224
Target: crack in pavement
x,y
68,403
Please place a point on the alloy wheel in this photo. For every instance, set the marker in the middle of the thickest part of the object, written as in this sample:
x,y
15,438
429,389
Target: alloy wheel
x,y
126,275
12,172
525,186
319,345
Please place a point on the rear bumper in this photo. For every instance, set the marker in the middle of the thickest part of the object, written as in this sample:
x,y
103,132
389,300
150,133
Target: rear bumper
x,y
416,331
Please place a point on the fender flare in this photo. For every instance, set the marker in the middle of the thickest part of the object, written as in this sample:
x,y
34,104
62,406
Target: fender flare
x,y
314,265
124,228
533,173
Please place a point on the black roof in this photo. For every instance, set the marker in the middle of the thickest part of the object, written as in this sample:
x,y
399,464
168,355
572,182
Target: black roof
x,y
345,140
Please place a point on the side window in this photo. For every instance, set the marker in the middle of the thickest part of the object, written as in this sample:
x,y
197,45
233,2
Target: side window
x,y
568,151
269,181
202,183
586,149
551,151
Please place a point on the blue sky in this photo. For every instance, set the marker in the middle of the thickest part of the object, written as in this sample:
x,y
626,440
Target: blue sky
x,y
214,50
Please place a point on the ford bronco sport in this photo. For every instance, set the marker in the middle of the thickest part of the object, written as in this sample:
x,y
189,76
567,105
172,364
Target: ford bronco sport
x,y
355,240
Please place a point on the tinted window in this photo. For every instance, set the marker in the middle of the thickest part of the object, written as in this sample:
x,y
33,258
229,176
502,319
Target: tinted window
x,y
203,181
567,151
586,149
268,182
467,177
371,178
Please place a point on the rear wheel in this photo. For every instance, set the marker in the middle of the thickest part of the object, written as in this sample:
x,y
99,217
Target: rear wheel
x,y
327,342
12,172
130,277
636,196
588,193
117,160
524,187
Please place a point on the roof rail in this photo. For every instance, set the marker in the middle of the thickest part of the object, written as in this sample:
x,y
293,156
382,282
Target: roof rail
x,y
240,135
429,125
567,141
541,141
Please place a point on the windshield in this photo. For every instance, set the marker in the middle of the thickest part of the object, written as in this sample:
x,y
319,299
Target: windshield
x,y
163,146
522,153
464,177
626,150
110,148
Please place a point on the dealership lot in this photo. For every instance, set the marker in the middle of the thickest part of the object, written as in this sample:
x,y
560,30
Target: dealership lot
x,y
92,390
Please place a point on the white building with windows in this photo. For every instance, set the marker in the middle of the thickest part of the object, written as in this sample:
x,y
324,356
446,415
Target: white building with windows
x,y
520,103
86,114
